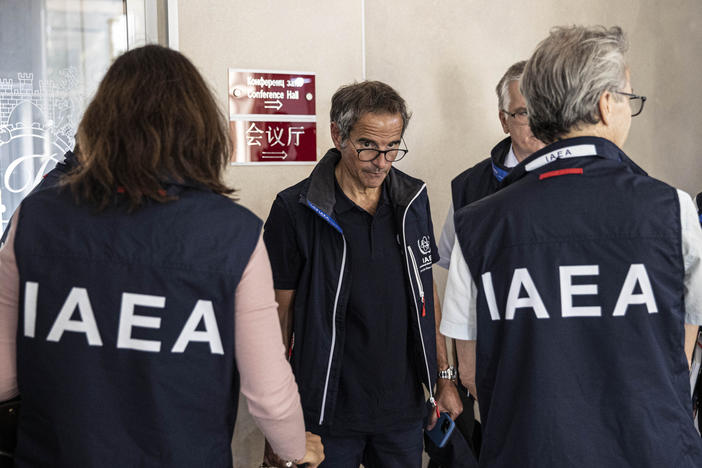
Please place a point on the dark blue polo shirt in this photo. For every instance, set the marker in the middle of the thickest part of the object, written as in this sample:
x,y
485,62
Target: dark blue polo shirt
x,y
379,388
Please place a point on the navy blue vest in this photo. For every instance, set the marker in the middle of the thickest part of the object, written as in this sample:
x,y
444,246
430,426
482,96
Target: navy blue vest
x,y
483,179
125,348
322,291
580,309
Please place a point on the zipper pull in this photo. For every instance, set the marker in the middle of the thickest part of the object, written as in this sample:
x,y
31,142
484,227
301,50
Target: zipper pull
x,y
436,407
424,308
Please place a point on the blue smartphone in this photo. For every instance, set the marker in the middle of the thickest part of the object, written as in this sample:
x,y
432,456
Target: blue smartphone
x,y
442,430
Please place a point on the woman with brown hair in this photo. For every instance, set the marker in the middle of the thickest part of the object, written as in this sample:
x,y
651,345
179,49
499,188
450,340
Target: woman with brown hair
x,y
137,298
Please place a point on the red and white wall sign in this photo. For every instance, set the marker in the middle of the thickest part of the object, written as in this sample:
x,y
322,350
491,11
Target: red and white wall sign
x,y
272,117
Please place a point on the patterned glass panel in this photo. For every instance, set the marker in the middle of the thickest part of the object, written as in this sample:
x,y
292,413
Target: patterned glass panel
x,y
53,56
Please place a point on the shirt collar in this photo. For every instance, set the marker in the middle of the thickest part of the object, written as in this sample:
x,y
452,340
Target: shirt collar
x,y
511,158
344,203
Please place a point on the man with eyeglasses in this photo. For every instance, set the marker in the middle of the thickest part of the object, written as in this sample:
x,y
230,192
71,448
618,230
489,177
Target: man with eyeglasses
x,y
484,178
577,278
471,185
352,250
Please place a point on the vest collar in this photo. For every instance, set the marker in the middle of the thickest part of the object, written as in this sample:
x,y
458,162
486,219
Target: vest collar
x,y
400,187
497,158
578,147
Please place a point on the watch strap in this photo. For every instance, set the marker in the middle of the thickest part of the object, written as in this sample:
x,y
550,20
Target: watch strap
x,y
448,374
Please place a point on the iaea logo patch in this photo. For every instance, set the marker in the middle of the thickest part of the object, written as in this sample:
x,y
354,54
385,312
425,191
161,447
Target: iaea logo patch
x,y
424,245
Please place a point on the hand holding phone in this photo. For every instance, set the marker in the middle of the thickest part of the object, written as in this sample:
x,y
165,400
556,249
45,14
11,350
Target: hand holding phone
x,y
441,431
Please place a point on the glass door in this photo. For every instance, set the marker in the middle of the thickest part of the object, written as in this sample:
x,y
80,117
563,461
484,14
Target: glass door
x,y
54,54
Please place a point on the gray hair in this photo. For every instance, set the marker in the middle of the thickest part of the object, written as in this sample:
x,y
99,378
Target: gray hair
x,y
513,73
567,74
350,102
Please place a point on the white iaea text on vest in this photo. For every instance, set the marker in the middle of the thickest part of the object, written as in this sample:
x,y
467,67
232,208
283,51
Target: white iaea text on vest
x,y
78,300
521,279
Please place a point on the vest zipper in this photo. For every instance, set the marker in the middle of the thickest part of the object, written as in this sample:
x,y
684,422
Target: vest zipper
x,y
333,224
409,272
333,343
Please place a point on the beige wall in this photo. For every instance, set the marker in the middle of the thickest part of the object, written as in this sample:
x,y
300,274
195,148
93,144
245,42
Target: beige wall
x,y
318,36
445,57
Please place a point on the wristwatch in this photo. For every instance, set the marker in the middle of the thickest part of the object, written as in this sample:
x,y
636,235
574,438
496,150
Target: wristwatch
x,y
448,374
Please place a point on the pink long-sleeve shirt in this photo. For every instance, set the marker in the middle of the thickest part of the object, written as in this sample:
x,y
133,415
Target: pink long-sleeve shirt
x,y
266,379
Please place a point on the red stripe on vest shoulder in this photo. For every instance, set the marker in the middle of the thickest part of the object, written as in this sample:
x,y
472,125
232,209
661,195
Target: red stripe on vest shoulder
x,y
560,172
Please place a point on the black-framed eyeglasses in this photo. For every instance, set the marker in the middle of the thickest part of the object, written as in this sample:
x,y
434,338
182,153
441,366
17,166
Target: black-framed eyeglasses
x,y
521,116
390,155
636,102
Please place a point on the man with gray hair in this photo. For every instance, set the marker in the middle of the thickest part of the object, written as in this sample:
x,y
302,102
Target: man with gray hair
x,y
577,278
471,185
484,178
352,249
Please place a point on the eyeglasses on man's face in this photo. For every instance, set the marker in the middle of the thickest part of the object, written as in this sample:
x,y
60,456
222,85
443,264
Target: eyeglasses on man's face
x,y
390,155
521,116
636,102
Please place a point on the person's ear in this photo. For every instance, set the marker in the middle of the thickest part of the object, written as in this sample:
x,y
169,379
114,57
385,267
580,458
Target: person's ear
x,y
336,135
503,121
606,107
